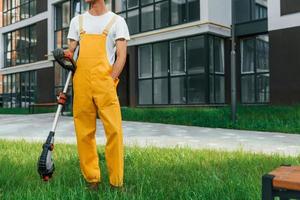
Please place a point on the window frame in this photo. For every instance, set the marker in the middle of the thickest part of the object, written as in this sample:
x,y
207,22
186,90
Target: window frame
x,y
186,75
153,4
71,14
7,20
27,49
30,95
215,73
255,72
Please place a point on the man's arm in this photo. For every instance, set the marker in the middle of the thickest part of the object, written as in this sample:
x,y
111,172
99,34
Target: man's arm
x,y
72,45
121,45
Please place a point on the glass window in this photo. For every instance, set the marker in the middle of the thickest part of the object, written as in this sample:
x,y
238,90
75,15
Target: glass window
x,y
33,54
147,18
248,89
13,40
157,14
263,88
9,84
16,89
211,89
24,11
162,14
145,2
33,37
58,17
256,83
219,55
248,54
250,10
178,90
32,8
76,7
196,89
261,11
13,58
25,90
13,90
196,55
145,61
193,7
63,13
7,42
16,10
219,89
177,60
145,92
5,88
160,59
120,5
242,11
216,70
171,84
32,87
58,39
8,59
178,11
262,54
133,21
161,91
7,91
65,39
211,55
17,45
66,14
4,5
131,4
84,6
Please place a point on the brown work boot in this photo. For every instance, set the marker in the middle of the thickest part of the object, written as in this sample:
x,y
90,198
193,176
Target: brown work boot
x,y
117,188
93,186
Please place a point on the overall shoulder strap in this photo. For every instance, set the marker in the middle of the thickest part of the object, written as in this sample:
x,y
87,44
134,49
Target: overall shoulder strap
x,y
109,25
80,24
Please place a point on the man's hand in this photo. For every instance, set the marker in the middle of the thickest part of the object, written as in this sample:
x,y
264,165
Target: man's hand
x,y
121,45
68,53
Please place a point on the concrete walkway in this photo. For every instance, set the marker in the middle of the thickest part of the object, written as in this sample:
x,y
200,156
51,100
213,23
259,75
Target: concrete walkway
x,y
36,128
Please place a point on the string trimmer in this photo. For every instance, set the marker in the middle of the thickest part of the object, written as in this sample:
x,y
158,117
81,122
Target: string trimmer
x,y
45,163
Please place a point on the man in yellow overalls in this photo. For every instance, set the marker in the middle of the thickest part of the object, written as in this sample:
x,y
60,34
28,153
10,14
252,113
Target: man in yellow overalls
x,y
100,34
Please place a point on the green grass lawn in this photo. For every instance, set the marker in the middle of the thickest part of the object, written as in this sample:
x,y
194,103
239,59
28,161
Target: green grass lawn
x,y
150,173
26,110
260,118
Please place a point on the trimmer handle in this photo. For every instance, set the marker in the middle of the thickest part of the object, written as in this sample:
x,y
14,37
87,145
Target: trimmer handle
x,y
65,59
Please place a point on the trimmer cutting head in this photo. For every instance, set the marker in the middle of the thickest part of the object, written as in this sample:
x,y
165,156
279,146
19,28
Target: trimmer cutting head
x,y
45,163
64,59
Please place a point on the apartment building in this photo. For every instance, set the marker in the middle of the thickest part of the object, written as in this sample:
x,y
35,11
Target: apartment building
x,y
284,29
178,55
26,72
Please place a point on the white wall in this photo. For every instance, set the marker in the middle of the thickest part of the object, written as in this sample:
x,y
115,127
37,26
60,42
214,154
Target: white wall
x,y
219,12
215,17
276,21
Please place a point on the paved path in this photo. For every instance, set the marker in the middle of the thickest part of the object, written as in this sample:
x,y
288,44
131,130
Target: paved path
x,y
36,127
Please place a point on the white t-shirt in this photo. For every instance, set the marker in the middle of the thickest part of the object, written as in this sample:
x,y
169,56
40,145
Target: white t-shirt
x,y
96,24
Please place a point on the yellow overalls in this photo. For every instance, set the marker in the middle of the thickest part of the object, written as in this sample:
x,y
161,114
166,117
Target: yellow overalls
x,y
95,91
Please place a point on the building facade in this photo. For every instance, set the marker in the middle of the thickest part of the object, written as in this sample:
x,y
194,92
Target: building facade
x,y
178,55
284,29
